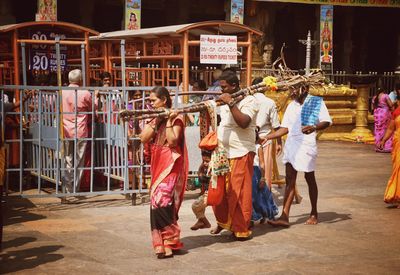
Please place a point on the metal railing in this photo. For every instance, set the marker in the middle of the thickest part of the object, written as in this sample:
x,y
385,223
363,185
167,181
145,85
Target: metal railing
x,y
114,161
42,159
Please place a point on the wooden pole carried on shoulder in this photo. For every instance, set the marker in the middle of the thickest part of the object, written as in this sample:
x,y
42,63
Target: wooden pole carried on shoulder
x,y
295,82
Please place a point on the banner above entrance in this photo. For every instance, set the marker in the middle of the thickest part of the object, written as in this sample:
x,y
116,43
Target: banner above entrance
x,y
218,49
360,3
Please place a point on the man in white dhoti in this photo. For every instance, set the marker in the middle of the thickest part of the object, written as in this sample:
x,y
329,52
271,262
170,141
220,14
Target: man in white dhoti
x,y
304,116
266,120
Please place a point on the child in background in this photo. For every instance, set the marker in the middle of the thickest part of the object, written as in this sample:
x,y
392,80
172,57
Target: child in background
x,y
263,201
199,205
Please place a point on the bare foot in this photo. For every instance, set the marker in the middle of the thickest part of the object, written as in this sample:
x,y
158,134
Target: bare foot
x,y
160,255
298,199
201,223
312,220
207,224
279,223
168,252
216,230
398,206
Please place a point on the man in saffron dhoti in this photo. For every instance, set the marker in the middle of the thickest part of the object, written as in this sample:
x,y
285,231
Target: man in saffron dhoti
x,y
304,116
237,135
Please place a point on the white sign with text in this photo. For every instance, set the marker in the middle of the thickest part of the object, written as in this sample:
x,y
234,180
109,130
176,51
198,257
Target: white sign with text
x,y
218,49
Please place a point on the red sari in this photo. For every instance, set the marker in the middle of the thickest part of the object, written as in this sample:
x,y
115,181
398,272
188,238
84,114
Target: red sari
x,y
169,171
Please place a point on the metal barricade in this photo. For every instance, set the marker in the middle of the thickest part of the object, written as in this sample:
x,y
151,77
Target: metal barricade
x,y
109,165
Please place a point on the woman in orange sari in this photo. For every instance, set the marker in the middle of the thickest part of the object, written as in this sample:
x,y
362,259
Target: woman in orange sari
x,y
392,193
169,171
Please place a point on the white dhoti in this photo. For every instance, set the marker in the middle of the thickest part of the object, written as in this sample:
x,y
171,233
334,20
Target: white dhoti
x,y
301,149
300,153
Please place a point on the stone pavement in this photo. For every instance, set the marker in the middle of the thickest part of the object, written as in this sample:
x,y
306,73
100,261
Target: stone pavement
x,y
357,234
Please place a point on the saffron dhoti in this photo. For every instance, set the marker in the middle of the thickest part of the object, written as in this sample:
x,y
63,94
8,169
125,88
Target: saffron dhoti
x,y
234,212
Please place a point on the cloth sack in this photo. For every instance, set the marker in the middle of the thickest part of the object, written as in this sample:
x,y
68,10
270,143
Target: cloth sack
x,y
215,194
209,142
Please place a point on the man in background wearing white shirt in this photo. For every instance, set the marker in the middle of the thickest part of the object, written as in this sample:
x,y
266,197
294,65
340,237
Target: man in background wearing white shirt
x,y
266,120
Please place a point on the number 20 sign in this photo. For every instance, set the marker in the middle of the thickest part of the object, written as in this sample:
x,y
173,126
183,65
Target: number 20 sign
x,y
43,58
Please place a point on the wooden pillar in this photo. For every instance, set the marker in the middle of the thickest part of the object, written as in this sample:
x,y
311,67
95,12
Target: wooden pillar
x,y
16,62
185,64
109,54
249,58
106,56
87,60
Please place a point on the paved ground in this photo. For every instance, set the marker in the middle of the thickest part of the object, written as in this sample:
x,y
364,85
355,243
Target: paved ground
x,y
358,233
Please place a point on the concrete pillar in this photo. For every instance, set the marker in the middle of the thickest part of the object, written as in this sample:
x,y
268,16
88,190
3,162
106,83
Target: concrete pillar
x,y
251,19
261,16
361,133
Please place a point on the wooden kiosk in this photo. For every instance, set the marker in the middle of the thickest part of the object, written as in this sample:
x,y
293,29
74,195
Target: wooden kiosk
x,y
169,55
39,40
29,50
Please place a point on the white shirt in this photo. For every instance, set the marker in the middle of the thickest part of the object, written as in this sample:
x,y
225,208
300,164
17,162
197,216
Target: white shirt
x,y
237,141
292,121
267,117
300,149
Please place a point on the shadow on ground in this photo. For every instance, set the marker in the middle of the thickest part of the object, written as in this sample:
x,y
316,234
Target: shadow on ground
x,y
193,242
20,241
18,260
84,203
323,217
17,210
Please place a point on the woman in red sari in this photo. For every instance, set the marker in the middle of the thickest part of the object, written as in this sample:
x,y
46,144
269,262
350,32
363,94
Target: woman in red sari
x,y
169,171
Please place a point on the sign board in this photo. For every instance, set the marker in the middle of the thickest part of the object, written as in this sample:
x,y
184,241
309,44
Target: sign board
x,y
43,57
218,49
237,11
357,3
46,10
132,14
326,37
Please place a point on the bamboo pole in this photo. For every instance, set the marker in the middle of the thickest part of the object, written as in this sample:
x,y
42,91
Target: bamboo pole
x,y
314,79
